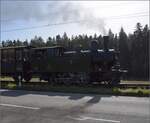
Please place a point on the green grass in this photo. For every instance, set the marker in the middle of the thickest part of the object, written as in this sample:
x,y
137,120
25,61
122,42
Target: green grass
x,y
11,86
82,89
135,81
132,92
6,79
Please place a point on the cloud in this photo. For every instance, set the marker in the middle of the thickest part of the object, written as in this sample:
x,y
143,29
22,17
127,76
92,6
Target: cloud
x,y
50,12
24,11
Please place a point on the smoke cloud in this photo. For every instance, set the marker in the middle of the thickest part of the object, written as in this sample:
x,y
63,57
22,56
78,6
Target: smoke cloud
x,y
86,15
51,12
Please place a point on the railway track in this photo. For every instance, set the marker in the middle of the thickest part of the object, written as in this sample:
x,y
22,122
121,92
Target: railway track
x,y
121,85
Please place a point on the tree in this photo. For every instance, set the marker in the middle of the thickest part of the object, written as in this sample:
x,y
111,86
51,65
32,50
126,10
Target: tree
x,y
58,40
145,48
116,43
124,50
25,43
3,44
19,43
41,41
95,36
49,42
9,43
65,40
14,43
100,42
146,38
37,42
139,52
111,39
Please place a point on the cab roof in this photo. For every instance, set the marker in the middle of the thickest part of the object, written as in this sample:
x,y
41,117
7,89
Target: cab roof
x,y
16,47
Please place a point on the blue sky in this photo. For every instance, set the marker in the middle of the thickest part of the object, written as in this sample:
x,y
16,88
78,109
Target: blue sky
x,y
98,17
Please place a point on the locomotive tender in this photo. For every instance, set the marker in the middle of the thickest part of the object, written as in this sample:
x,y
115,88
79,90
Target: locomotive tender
x,y
57,65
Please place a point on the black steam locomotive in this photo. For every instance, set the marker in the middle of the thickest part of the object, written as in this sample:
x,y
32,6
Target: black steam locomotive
x,y
58,65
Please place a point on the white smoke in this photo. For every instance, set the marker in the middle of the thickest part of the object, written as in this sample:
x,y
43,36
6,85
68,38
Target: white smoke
x,y
51,12
87,16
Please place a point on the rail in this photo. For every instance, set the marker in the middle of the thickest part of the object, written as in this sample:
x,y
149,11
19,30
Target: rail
x,y
121,85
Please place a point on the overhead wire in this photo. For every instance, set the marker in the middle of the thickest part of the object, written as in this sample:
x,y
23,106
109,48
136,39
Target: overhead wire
x,y
76,21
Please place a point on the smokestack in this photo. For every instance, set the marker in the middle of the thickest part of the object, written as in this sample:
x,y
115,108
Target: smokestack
x,y
94,45
105,42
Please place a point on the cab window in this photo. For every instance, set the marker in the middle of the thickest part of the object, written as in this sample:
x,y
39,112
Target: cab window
x,y
54,52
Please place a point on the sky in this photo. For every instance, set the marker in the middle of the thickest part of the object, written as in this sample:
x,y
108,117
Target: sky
x,y
23,19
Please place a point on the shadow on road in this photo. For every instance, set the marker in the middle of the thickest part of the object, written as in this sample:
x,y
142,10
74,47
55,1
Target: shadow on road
x,y
79,108
71,96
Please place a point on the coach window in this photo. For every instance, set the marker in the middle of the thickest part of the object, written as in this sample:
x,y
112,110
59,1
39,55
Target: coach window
x,y
10,55
49,52
44,54
53,52
4,56
26,54
38,54
57,52
18,55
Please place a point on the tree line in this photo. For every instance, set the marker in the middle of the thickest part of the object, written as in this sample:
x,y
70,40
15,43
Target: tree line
x,y
133,48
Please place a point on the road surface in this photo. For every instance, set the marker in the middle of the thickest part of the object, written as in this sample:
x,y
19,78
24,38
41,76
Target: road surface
x,y
46,107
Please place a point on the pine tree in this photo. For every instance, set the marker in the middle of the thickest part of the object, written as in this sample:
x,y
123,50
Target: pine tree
x,y
124,50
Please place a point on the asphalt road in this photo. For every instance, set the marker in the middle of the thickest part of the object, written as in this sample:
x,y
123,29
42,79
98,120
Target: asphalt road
x,y
46,107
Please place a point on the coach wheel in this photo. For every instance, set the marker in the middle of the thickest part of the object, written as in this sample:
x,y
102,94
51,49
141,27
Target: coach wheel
x,y
115,82
27,77
50,80
16,78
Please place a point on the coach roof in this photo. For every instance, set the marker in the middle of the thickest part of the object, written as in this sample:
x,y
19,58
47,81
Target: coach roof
x,y
16,47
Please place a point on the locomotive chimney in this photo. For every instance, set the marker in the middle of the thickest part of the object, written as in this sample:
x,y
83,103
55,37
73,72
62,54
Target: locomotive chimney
x,y
105,42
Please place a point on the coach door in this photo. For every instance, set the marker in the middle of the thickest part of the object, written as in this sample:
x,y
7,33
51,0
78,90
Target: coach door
x,y
19,60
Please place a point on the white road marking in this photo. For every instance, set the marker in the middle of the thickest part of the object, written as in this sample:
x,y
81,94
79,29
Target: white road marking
x,y
92,118
19,106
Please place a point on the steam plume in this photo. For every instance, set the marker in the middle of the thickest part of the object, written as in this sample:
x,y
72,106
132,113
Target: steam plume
x,y
51,12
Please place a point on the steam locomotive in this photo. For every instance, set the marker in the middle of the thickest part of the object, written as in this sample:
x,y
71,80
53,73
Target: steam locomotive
x,y
58,65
